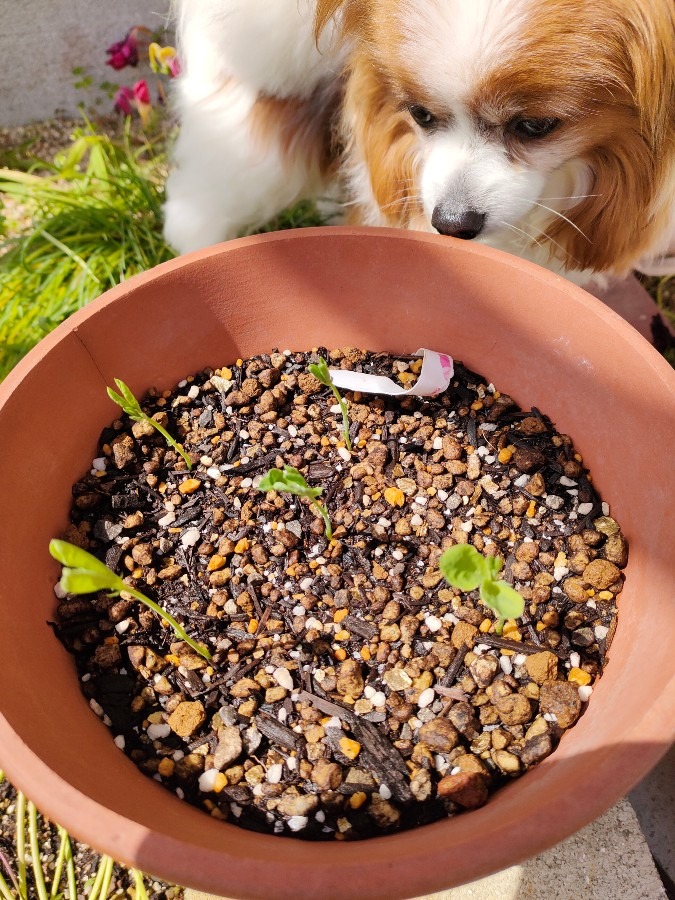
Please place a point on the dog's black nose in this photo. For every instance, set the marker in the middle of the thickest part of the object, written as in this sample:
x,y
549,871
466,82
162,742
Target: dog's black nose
x,y
465,225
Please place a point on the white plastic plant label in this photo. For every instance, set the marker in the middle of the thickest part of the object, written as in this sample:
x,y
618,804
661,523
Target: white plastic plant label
x,y
434,378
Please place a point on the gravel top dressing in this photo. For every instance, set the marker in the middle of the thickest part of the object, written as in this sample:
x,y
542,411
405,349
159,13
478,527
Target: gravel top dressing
x,y
351,691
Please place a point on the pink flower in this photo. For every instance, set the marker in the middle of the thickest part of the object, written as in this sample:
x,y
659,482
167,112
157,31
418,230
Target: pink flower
x,y
123,100
128,99
123,53
141,92
173,66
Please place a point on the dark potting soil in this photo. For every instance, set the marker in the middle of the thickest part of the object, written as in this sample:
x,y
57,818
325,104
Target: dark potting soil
x,y
352,692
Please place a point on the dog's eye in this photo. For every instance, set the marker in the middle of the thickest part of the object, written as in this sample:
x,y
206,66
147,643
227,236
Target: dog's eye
x,y
422,116
533,128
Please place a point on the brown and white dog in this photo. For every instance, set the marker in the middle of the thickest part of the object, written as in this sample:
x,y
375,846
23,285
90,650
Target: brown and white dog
x,y
543,127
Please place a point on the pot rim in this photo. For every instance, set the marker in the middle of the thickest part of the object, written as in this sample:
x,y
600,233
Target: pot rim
x,y
615,770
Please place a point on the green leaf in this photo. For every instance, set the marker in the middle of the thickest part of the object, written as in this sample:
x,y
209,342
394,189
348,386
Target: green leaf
x,y
290,480
502,598
320,372
84,581
493,565
77,558
463,567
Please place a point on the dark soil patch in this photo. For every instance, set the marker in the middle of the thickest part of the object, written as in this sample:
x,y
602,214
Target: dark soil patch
x,y
352,692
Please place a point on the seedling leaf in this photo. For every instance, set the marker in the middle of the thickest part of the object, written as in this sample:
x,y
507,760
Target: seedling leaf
x,y
463,567
83,573
502,598
130,405
321,372
291,481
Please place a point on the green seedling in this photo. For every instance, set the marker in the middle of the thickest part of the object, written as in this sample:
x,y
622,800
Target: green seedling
x,y
291,481
85,574
130,405
465,568
321,373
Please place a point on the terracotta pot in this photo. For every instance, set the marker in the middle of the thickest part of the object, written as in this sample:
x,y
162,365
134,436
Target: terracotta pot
x,y
534,335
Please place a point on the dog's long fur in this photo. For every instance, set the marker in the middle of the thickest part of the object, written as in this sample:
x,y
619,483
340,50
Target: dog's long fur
x,y
406,111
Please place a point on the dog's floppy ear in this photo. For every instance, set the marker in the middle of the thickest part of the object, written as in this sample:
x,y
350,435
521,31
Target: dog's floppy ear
x,y
352,11
630,160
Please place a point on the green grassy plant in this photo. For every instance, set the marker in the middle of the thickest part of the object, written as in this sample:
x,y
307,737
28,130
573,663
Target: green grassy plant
x,y
95,219
23,875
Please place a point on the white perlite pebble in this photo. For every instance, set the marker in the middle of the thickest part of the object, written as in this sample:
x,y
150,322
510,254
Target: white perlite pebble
x,y
584,508
552,501
291,764
585,691
433,623
605,509
369,692
522,480
58,591
213,472
378,699
96,706
567,482
158,731
385,793
193,393
559,572
122,626
207,780
119,741
421,501
438,443
297,823
167,519
274,773
505,664
442,495
519,659
575,660
283,678
190,537
99,464
426,698
601,631
346,456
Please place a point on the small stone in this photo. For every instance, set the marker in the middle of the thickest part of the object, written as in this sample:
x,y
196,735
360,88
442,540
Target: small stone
x,y
186,718
463,633
560,699
397,679
507,762
483,670
283,678
439,734
601,573
229,746
350,679
326,775
394,496
467,789
514,709
383,812
349,747
294,804
189,486
542,666
616,550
